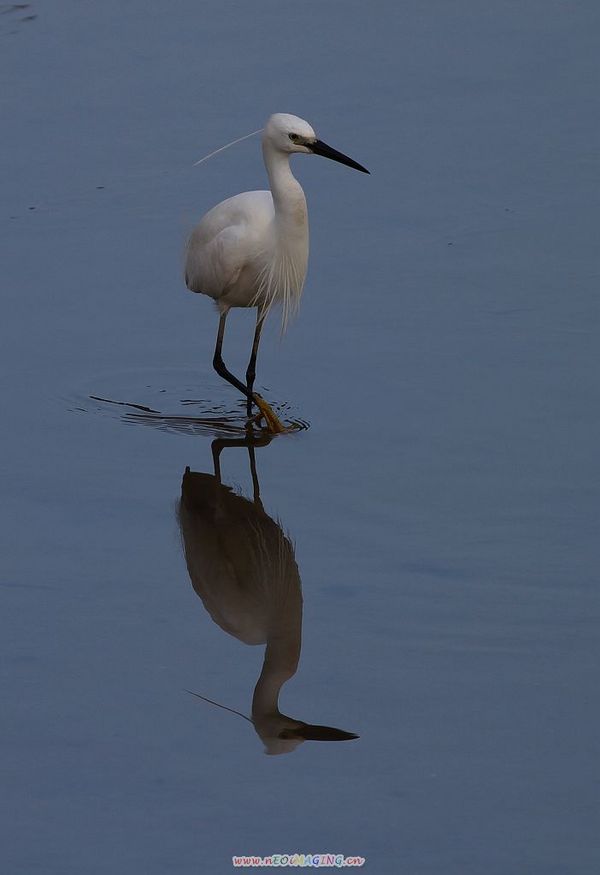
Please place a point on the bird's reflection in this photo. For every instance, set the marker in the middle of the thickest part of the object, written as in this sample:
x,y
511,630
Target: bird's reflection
x,y
242,565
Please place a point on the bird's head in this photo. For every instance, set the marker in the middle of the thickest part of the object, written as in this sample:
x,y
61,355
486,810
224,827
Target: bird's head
x,y
288,133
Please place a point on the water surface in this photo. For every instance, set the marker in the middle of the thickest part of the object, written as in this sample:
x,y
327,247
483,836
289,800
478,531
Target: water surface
x,y
443,504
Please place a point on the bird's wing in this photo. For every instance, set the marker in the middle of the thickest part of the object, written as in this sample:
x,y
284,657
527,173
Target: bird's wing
x,y
225,241
215,266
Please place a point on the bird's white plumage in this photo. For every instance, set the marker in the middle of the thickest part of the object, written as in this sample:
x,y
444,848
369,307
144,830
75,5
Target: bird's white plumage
x,y
251,250
223,253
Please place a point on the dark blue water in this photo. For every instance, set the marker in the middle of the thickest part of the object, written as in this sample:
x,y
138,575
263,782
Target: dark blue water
x,y
443,503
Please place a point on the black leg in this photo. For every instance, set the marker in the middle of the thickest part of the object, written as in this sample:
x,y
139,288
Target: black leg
x,y
251,372
274,425
219,364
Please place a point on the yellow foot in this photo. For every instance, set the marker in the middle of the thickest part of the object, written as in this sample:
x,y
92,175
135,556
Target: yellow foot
x,y
275,425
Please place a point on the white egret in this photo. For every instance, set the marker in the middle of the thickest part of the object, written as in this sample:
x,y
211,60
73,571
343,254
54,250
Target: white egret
x,y
251,250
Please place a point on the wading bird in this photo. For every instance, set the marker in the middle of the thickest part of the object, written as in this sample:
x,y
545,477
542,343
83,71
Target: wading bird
x,y
251,250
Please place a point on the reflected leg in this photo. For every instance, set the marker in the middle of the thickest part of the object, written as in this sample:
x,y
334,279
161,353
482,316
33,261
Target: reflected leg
x,y
250,442
254,475
216,447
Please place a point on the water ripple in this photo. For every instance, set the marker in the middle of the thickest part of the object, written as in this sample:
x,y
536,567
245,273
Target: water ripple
x,y
176,401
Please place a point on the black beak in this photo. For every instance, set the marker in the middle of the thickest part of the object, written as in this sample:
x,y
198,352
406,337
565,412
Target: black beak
x,y
321,148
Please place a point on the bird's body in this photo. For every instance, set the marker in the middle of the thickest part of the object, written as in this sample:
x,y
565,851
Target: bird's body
x,y
251,250
239,256
223,254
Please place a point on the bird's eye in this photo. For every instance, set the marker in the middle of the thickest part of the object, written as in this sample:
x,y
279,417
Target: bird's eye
x,y
294,137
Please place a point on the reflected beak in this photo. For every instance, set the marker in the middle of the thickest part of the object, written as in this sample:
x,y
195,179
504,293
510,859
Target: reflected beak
x,y
311,732
321,148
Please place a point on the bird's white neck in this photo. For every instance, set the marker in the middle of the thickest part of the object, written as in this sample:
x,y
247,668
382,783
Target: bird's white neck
x,y
288,196
282,277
